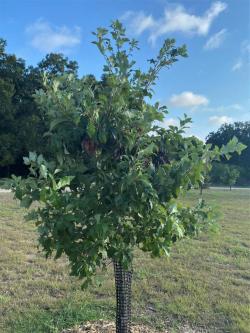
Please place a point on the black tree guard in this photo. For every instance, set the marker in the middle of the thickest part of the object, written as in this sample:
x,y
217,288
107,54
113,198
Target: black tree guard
x,y
123,282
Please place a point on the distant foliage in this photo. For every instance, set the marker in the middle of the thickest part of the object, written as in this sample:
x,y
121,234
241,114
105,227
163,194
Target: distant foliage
x,y
226,132
22,122
225,174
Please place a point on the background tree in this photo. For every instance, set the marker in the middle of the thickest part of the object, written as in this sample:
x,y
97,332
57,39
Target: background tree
x,y
225,174
122,181
22,121
225,133
55,64
216,172
11,80
230,175
8,149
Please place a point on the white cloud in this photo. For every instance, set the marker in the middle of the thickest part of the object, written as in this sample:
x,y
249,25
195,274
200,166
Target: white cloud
x,y
220,120
237,65
223,108
139,21
170,122
47,38
216,40
188,99
175,19
244,58
235,106
245,47
166,123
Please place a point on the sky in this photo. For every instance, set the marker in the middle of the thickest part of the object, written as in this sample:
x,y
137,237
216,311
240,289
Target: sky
x,y
212,85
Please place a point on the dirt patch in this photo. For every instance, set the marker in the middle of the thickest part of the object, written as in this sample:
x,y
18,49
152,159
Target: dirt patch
x,y
106,327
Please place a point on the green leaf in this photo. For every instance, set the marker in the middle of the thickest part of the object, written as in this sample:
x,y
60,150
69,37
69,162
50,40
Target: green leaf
x,y
91,129
40,159
26,160
43,171
18,193
173,208
56,85
59,157
178,230
232,146
32,156
102,136
148,150
65,181
56,122
26,202
97,217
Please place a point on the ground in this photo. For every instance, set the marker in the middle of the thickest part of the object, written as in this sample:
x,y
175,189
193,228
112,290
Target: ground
x,y
203,285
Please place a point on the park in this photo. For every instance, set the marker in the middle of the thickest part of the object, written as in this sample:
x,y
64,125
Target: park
x,y
114,216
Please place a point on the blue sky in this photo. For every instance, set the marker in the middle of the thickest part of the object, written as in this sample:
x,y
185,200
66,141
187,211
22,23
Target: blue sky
x,y
212,85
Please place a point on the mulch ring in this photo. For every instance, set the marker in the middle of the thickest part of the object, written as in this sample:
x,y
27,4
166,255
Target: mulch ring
x,y
106,327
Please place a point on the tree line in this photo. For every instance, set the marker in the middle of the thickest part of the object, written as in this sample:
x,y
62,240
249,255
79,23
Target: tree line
x,y
23,125
237,169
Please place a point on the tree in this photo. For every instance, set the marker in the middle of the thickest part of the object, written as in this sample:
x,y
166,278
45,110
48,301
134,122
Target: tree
x,y
57,64
113,177
11,79
22,121
225,133
7,139
216,172
2,46
229,175
224,174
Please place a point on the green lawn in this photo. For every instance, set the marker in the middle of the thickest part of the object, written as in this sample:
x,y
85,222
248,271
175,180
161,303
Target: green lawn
x,y
205,285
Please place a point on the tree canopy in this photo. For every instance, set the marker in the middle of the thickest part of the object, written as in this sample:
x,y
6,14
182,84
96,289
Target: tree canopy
x,y
225,174
122,172
22,121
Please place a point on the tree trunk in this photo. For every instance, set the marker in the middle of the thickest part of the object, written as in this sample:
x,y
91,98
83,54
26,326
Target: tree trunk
x,y
123,282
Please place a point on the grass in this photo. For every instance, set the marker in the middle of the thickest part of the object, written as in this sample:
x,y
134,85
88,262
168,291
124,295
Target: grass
x,y
203,285
4,183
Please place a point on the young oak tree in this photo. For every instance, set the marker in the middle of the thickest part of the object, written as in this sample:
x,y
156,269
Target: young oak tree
x,y
112,178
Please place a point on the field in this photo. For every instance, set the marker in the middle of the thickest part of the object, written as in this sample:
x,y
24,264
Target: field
x,y
203,287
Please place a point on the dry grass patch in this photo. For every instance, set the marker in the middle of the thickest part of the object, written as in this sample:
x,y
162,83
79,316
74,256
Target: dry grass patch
x,y
202,286
106,327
